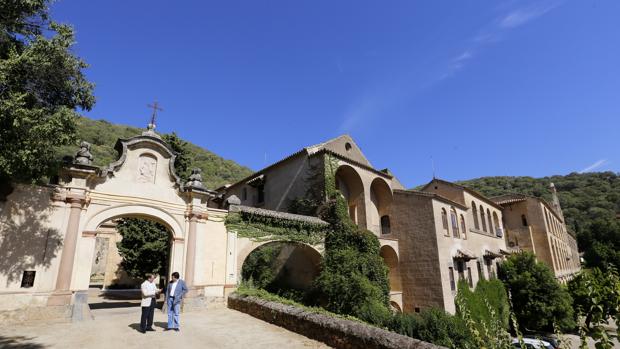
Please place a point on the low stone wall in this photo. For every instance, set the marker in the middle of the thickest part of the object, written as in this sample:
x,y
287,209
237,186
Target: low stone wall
x,y
335,332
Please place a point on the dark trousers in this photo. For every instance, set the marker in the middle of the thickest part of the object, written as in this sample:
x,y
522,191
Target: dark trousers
x,y
146,321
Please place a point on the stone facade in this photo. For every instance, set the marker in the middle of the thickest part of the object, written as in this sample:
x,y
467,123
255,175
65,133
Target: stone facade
x,y
537,226
441,244
53,237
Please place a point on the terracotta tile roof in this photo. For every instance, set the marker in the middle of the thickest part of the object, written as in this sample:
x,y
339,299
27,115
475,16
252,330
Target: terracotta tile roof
x,y
431,196
469,190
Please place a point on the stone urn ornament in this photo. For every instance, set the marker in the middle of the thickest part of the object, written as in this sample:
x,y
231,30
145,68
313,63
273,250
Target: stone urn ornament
x,y
195,179
83,156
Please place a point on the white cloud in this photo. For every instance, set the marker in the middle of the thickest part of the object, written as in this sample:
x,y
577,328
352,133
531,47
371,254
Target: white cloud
x,y
595,165
494,32
523,15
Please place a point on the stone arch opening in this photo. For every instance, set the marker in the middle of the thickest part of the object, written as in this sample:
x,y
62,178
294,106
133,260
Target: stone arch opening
x,y
395,307
391,260
350,185
282,267
109,284
381,200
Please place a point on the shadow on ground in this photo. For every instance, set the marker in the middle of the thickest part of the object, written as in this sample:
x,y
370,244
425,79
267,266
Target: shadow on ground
x,y
18,342
136,326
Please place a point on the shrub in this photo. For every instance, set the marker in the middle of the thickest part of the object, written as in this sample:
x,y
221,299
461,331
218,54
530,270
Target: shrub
x,y
353,279
435,326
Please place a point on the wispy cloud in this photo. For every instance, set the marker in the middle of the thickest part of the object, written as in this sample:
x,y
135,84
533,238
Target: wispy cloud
x,y
495,31
521,16
595,165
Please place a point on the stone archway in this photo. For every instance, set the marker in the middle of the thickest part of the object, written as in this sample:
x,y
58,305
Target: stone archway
x,y
350,185
379,213
295,265
113,286
94,221
390,257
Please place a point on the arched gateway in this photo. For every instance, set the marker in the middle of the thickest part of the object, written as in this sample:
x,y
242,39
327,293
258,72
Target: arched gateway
x,y
51,231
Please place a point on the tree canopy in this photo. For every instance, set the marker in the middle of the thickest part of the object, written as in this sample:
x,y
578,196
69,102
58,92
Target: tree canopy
x,y
145,246
538,299
42,83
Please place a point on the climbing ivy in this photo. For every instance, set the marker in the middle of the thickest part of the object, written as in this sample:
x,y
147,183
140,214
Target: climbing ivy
x,y
259,227
353,279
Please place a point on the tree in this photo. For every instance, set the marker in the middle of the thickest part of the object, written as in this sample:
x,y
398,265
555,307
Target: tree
x,y
183,162
145,247
41,86
596,295
538,300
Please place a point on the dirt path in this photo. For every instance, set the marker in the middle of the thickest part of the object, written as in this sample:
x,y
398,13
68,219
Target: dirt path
x,y
118,328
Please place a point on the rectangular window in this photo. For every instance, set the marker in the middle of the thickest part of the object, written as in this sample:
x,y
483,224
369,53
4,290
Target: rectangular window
x,y
261,193
28,278
452,283
480,272
489,264
469,279
461,269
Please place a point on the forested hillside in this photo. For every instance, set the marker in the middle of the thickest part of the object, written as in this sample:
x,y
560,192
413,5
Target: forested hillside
x,y
102,135
590,202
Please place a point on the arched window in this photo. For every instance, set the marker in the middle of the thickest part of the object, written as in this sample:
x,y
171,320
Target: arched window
x,y
474,212
385,225
490,222
463,227
498,231
444,220
455,223
482,219
524,220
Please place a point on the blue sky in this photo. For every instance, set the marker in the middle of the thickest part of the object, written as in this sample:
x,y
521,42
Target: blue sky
x,y
482,88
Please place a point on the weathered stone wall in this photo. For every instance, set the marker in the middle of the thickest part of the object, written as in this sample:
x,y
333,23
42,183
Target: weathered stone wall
x,y
335,332
414,224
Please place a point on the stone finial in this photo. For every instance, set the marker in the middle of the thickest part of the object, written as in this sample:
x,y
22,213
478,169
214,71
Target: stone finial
x,y
83,156
233,200
195,179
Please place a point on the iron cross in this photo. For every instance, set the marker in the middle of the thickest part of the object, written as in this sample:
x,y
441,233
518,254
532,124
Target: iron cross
x,y
155,106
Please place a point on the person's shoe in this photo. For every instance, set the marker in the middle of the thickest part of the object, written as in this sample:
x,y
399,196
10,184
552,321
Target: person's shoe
x,y
177,329
142,331
167,329
150,329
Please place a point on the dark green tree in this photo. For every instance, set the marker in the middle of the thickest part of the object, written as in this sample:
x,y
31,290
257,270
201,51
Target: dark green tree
x,y
145,247
41,85
183,161
538,299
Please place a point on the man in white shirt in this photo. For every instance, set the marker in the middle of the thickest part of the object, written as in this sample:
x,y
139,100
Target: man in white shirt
x,y
149,294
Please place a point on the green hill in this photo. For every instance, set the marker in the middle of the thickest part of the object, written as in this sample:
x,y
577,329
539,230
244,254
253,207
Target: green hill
x,y
590,202
216,171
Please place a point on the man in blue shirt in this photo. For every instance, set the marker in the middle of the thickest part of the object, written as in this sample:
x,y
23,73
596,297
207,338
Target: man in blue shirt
x,y
175,292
